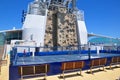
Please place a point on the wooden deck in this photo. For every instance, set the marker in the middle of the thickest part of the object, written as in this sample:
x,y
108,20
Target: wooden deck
x,y
98,75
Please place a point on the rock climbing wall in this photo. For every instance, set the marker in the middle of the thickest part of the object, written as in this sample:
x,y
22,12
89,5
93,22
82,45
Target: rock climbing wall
x,y
67,35
60,30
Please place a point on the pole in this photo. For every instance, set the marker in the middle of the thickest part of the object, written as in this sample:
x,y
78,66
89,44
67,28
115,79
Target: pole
x,y
79,49
89,54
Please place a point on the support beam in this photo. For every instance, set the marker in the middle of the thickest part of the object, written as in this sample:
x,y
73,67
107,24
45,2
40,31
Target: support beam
x,y
74,4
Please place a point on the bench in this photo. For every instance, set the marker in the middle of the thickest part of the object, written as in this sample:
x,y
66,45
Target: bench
x,y
97,63
114,60
72,66
35,70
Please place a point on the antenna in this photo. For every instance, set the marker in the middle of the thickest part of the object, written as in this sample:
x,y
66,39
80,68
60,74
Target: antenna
x,y
23,16
36,0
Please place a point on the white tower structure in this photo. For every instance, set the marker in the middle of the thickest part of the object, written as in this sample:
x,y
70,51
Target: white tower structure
x,y
43,19
82,31
35,22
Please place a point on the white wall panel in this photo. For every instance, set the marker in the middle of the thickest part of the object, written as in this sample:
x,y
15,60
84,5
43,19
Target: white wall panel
x,y
82,32
34,28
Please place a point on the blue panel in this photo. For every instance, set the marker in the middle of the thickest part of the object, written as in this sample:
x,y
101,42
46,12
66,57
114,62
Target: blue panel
x,y
110,51
64,52
27,54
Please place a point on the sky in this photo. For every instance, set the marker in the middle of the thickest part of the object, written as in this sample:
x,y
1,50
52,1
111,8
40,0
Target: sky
x,y
101,16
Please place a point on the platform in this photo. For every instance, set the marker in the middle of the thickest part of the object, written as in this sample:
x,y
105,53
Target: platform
x,y
57,58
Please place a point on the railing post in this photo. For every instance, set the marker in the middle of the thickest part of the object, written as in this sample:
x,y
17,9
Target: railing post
x,y
89,54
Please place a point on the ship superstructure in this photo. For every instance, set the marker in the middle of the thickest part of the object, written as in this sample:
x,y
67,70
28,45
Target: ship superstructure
x,y
51,27
52,23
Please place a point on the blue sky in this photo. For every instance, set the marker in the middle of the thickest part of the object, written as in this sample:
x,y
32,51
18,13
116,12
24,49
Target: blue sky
x,y
101,16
